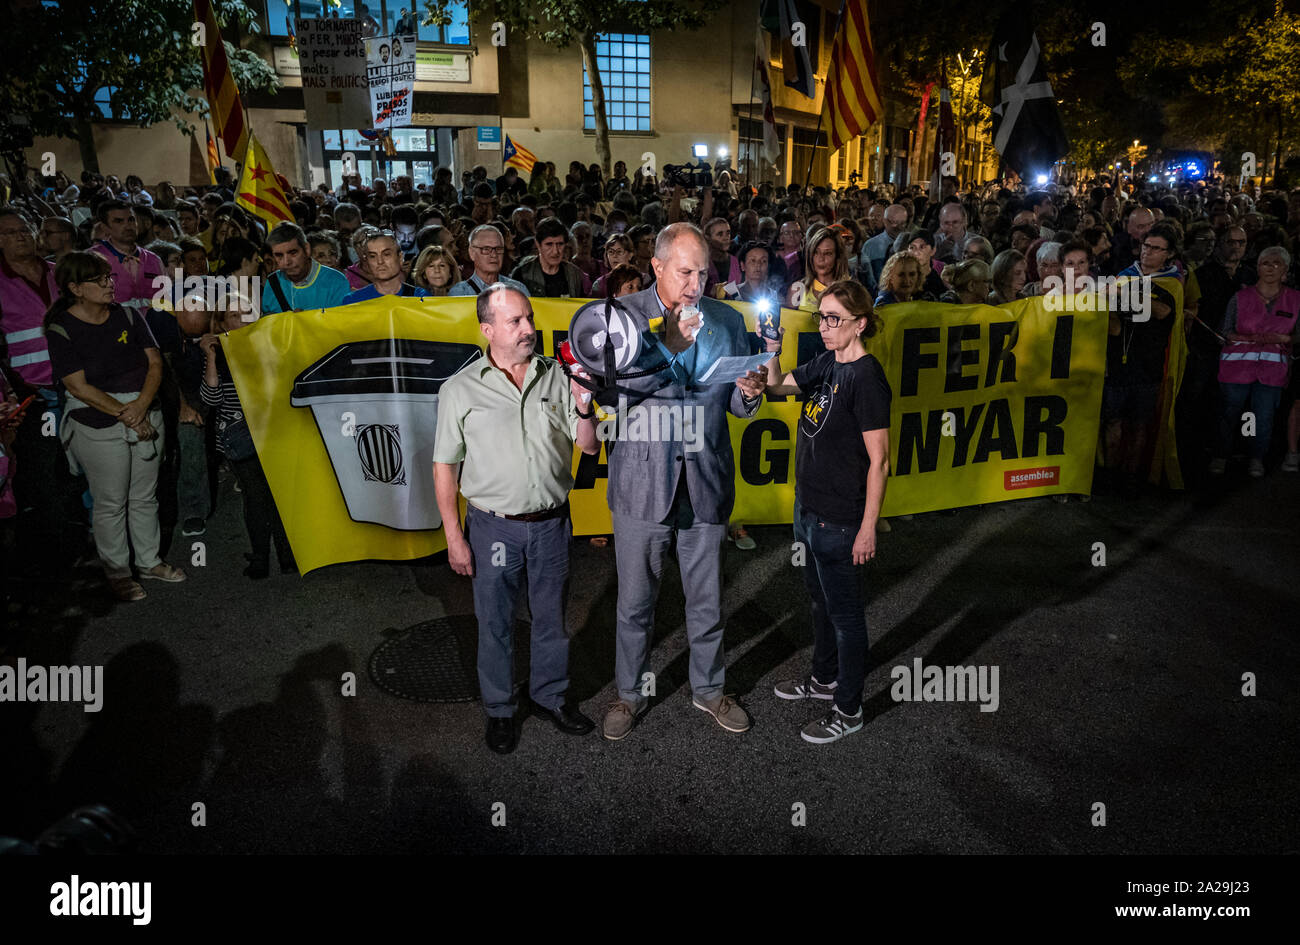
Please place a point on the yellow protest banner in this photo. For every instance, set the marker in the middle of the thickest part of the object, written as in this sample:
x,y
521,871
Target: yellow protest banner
x,y
989,404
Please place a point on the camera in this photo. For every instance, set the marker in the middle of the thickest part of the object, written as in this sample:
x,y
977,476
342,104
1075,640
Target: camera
x,y
699,174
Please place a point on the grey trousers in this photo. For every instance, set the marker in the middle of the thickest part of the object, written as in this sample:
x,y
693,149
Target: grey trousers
x,y
640,548
505,555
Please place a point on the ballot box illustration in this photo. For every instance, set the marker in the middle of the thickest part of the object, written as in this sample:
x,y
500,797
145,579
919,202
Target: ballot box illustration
x,y
376,406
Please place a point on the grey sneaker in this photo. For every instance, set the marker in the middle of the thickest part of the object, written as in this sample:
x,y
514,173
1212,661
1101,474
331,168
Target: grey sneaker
x,y
726,711
1218,466
804,689
620,718
1291,463
1256,469
832,727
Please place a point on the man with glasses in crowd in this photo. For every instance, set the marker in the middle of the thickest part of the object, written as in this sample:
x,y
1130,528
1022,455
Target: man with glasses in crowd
x,y
1135,361
487,249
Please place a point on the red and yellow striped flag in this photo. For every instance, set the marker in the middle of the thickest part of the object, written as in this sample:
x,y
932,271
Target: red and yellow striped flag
x,y
219,84
260,191
211,158
853,99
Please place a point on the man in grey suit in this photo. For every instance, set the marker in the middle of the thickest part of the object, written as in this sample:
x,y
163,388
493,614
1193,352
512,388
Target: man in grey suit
x,y
671,474
877,250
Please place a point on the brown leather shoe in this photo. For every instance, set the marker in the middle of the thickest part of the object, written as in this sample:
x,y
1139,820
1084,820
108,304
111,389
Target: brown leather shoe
x,y
726,711
619,720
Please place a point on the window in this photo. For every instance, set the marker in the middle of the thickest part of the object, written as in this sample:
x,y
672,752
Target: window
x,y
624,63
104,101
415,155
386,13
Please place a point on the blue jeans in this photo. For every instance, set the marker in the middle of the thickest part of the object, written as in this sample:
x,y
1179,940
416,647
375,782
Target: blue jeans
x,y
839,620
538,551
1263,404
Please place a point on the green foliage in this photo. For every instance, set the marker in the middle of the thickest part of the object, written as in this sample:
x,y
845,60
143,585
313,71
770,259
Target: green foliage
x,y
560,23
143,48
1234,85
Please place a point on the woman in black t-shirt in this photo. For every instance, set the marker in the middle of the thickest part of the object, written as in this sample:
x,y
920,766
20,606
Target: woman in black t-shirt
x,y
111,368
841,461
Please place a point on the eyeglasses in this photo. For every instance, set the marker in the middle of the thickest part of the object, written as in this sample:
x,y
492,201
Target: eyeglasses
x,y
104,280
490,250
834,321
1152,248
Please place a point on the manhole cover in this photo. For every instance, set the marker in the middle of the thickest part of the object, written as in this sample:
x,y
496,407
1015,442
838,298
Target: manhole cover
x,y
435,661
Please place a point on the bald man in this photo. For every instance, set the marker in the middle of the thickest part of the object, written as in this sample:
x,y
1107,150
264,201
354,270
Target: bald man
x,y
877,249
1128,244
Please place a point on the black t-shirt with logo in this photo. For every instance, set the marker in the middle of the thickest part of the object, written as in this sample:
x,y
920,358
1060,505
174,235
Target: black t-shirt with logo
x,y
112,355
843,401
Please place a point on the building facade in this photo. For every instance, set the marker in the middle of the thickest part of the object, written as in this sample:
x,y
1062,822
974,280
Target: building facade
x,y
667,93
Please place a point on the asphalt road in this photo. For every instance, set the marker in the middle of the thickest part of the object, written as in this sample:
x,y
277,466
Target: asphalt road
x,y
1118,685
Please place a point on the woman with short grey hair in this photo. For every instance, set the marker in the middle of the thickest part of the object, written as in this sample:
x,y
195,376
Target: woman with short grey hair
x,y
1260,324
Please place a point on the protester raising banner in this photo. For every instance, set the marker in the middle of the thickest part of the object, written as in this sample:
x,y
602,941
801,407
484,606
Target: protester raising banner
x,y
332,56
989,404
390,70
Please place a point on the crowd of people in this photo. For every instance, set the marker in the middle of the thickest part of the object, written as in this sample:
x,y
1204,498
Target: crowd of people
x,y
145,409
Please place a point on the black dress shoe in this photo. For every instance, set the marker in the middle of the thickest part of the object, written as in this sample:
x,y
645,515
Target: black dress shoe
x,y
501,736
567,719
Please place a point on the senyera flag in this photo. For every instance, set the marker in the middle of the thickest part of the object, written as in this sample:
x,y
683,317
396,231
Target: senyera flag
x,y
261,189
853,101
219,83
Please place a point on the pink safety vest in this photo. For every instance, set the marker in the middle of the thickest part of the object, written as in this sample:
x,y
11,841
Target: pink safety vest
x,y
22,314
1267,364
124,287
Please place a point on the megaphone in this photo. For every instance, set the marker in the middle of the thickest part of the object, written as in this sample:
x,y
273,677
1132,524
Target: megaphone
x,y
603,335
604,343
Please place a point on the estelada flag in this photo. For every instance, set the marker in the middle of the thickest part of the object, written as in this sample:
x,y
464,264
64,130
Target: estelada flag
x,y
515,156
260,189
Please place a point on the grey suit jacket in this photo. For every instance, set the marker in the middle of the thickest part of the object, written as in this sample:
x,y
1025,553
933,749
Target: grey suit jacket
x,y
683,427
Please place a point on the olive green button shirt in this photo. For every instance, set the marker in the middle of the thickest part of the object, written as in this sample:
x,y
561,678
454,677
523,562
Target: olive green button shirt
x,y
516,445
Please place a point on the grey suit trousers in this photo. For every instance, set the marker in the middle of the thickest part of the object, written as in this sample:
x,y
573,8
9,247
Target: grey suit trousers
x,y
640,548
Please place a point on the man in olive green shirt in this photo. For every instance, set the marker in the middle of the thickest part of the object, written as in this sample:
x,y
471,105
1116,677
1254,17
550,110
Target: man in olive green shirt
x,y
511,420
